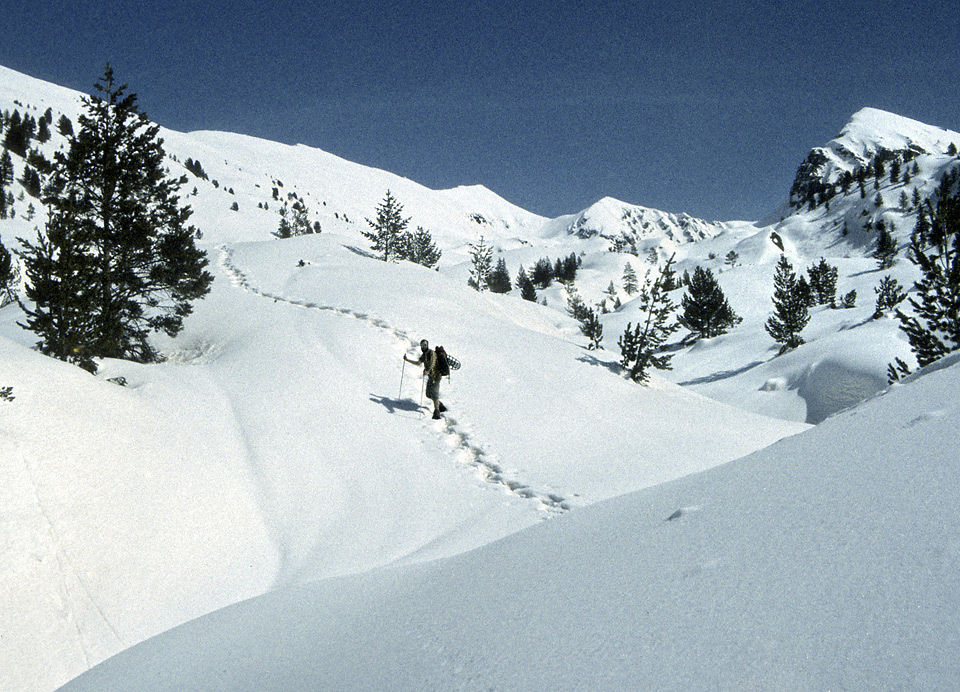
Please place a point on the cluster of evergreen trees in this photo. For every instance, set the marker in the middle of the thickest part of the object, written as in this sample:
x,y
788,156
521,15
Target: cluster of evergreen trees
x,y
115,261
811,191
390,238
934,327
295,219
485,276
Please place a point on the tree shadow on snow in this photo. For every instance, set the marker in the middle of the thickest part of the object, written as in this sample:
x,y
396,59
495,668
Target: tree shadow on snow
x,y
393,405
359,251
612,366
722,375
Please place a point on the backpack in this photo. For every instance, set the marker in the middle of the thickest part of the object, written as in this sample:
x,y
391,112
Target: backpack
x,y
445,363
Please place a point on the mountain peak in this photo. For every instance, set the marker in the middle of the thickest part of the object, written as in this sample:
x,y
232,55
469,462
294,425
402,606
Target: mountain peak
x,y
872,129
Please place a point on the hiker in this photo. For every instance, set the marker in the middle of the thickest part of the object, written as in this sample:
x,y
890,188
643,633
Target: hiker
x,y
428,359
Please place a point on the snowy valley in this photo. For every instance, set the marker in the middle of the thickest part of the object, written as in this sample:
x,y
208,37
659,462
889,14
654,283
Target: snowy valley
x,y
270,509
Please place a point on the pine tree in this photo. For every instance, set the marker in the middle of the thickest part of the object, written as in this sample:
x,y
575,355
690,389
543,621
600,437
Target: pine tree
x,y
387,234
790,310
300,219
889,295
611,291
481,259
6,169
117,237
7,277
886,250
43,132
420,248
591,327
823,282
542,273
527,290
934,329
576,308
62,283
284,227
630,285
500,278
640,346
65,126
18,134
706,311
805,292
565,269
904,201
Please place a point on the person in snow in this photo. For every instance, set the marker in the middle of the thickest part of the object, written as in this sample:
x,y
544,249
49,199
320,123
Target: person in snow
x,y
428,359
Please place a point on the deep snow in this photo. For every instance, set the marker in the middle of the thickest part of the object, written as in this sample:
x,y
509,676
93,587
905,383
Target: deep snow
x,y
824,562
275,455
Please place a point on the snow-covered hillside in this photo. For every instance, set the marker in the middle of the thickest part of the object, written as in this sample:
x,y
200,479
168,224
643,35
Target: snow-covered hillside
x,y
825,562
281,448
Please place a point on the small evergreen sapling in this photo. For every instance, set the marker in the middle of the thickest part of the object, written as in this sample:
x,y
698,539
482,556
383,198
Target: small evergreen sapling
x,y
527,290
630,285
640,345
481,258
889,295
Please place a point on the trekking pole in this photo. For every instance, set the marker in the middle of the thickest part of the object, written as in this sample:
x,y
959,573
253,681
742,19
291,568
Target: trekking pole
x,y
402,368
423,384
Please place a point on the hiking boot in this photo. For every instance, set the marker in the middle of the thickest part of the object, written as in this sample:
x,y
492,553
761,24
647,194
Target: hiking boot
x,y
442,408
436,415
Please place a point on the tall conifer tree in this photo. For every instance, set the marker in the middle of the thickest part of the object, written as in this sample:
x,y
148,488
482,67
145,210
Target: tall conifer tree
x,y
118,233
790,308
387,233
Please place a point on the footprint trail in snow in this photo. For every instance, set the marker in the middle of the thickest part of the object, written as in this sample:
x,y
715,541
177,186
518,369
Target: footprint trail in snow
x,y
456,436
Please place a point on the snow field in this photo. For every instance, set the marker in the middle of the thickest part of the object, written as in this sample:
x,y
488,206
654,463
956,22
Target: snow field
x,y
825,561
275,453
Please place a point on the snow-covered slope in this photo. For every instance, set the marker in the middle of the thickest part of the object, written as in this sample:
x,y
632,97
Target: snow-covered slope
x,y
827,561
277,445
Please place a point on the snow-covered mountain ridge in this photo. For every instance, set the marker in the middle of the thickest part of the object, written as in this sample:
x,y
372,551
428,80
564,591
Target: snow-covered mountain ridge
x,y
871,134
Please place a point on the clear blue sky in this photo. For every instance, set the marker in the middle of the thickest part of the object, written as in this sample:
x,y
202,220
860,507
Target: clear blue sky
x,y
706,108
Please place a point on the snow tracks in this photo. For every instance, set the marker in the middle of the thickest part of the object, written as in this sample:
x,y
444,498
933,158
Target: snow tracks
x,y
456,436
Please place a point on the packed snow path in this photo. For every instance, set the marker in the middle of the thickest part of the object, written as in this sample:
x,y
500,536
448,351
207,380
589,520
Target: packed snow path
x,y
456,436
